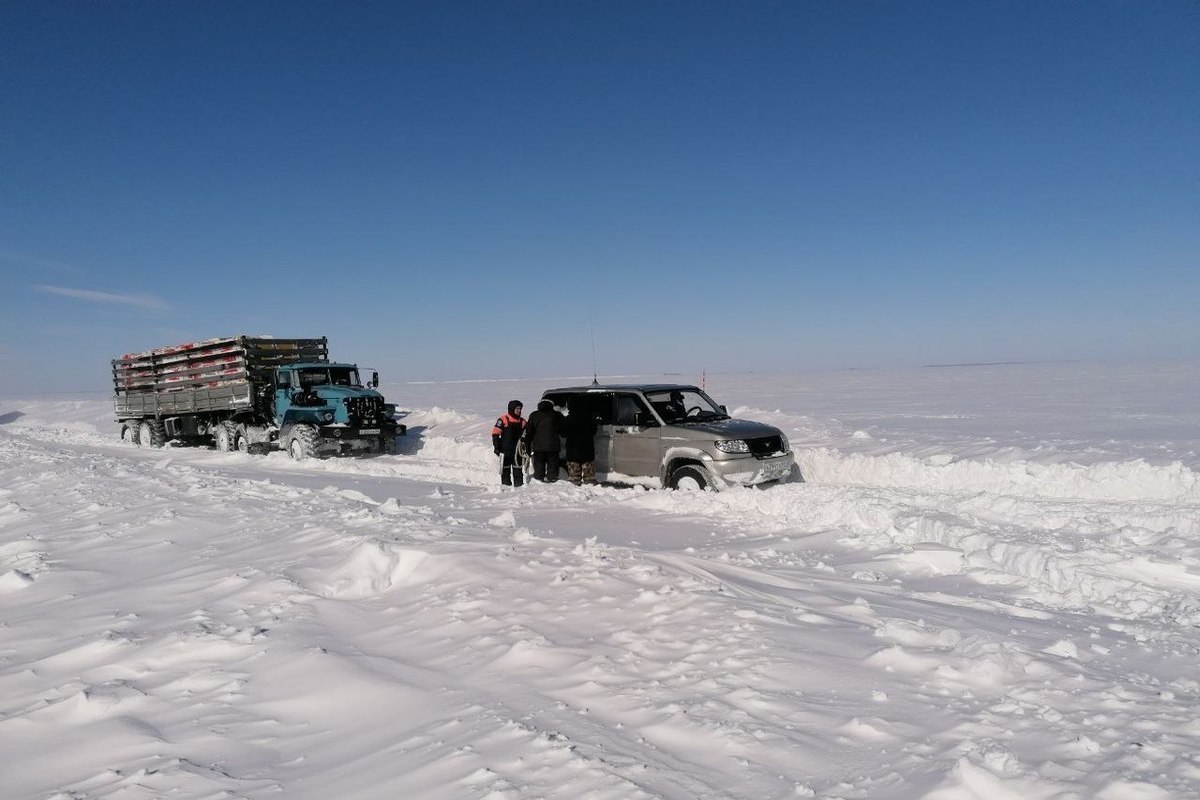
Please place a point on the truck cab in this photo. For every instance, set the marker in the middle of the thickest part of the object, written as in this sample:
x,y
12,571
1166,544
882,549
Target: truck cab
x,y
324,408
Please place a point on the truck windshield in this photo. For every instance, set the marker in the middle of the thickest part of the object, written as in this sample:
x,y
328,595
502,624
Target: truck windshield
x,y
328,376
684,405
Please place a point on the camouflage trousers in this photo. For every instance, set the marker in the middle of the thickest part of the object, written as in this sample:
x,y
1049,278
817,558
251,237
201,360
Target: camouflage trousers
x,y
581,472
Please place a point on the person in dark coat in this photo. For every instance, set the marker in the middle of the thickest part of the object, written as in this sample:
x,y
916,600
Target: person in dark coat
x,y
506,436
580,433
543,435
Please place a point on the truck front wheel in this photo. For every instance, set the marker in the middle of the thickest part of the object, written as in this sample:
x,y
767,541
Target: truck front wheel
x,y
302,443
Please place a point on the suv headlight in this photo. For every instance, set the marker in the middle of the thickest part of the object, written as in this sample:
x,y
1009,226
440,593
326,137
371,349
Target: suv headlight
x,y
733,446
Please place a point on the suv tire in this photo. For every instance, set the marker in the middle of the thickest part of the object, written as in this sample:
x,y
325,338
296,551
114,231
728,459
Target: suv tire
x,y
689,478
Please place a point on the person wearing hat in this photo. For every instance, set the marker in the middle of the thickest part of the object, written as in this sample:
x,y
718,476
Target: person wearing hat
x,y
543,438
506,436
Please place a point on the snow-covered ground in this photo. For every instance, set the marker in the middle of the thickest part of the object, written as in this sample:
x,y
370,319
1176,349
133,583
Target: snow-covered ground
x,y
987,587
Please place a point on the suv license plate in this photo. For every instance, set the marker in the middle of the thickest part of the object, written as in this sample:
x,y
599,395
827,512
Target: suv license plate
x,y
369,432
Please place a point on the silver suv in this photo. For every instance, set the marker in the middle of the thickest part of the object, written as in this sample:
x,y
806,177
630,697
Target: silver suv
x,y
676,436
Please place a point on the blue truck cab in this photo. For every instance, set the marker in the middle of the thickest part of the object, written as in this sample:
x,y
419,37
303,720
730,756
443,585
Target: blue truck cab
x,y
325,408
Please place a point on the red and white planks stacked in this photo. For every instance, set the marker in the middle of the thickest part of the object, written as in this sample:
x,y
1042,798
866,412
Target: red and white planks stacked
x,y
210,363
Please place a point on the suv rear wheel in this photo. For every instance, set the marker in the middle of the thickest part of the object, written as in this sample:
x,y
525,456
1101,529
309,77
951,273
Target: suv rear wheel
x,y
689,478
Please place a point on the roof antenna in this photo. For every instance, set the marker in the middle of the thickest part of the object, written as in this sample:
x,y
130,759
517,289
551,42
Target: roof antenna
x,y
592,331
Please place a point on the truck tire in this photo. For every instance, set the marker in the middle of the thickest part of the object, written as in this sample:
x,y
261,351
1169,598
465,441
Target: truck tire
x,y
224,434
241,442
129,432
302,443
689,478
151,433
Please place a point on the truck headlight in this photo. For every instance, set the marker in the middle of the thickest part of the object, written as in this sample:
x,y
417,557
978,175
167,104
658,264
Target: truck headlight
x,y
733,446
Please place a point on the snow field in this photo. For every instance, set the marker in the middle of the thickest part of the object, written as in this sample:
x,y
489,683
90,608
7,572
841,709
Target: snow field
x,y
953,625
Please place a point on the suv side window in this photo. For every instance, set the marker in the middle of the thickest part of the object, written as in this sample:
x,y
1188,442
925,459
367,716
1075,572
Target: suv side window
x,y
631,410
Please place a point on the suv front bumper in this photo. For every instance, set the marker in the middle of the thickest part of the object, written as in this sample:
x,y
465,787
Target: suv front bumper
x,y
750,470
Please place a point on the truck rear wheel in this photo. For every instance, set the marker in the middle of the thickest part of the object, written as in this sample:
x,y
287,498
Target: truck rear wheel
x,y
129,432
302,443
224,436
151,433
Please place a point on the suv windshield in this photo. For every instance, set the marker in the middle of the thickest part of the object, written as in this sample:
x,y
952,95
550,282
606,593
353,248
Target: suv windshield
x,y
685,405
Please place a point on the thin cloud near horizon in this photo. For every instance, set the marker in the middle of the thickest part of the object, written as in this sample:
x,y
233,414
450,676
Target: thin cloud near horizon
x,y
146,301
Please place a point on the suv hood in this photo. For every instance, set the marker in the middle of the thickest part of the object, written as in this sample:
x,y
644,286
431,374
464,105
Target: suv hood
x,y
731,428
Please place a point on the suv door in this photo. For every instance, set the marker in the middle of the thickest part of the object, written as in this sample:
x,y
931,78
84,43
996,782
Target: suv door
x,y
635,439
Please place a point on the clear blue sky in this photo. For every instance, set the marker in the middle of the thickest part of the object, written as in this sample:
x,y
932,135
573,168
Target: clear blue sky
x,y
451,190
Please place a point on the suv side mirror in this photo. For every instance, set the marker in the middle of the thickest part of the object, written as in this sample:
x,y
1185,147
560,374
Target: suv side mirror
x,y
374,384
724,410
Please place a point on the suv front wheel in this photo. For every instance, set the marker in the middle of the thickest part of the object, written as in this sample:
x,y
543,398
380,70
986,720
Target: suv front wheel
x,y
689,478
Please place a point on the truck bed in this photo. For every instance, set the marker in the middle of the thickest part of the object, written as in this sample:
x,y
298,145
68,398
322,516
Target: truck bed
x,y
231,396
211,375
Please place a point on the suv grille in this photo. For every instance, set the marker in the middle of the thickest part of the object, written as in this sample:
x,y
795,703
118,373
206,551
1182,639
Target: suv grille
x,y
363,409
766,446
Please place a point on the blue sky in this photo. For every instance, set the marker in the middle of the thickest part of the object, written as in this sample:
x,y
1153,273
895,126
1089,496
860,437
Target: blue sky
x,y
463,190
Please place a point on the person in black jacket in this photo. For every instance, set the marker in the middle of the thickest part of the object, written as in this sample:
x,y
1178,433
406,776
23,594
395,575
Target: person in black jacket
x,y
506,435
580,432
543,435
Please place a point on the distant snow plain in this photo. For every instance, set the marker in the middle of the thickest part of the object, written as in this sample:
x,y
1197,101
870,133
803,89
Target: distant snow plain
x,y
988,586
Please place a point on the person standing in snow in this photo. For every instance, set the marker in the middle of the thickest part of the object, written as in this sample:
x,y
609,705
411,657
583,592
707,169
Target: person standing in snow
x,y
543,435
506,436
580,433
